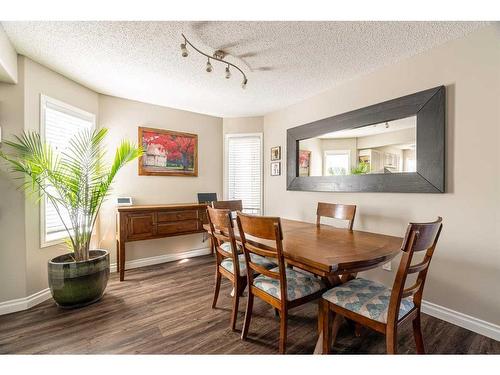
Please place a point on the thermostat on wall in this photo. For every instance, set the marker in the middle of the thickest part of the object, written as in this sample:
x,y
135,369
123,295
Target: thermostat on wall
x,y
124,201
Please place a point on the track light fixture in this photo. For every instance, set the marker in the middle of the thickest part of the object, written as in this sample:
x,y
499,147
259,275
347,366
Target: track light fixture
x,y
217,56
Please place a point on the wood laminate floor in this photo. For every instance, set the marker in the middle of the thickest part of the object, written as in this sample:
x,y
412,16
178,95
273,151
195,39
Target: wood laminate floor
x,y
167,309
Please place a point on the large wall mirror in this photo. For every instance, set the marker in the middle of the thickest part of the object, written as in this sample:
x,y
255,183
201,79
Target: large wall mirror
x,y
394,146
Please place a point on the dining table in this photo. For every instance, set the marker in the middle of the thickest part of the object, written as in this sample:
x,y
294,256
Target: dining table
x,y
334,254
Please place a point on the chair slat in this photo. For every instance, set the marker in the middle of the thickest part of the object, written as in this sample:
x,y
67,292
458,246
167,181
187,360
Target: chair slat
x,y
420,266
264,271
412,289
260,251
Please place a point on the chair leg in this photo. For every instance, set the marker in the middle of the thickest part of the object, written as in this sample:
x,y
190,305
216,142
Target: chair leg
x,y
391,340
248,315
234,315
276,312
217,288
283,328
324,323
242,286
417,333
337,322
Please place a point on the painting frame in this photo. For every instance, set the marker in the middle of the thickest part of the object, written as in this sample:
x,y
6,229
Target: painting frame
x,y
304,163
144,170
275,153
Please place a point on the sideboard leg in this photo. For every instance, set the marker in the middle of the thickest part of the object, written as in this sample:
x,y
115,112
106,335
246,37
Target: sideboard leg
x,y
122,260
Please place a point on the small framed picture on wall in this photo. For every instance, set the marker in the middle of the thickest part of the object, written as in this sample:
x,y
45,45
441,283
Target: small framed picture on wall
x,y
276,168
276,153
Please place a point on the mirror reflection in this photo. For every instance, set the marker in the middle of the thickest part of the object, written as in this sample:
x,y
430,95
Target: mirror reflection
x,y
388,147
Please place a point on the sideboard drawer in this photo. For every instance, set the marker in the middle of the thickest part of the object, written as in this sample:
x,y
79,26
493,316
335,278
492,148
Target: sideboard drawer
x,y
140,225
177,227
177,215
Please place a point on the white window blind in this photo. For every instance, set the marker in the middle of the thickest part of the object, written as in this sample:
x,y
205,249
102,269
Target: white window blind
x,y
244,171
59,122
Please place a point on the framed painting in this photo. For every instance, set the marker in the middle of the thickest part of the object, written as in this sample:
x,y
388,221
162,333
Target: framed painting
x,y
304,162
276,153
276,168
168,153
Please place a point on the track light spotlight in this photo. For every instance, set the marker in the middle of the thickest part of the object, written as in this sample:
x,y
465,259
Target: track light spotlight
x,y
184,50
244,84
228,73
209,66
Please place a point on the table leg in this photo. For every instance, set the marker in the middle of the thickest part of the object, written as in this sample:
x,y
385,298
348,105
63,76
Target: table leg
x,y
122,260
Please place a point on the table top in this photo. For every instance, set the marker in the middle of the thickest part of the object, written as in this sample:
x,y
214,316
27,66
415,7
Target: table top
x,y
336,250
153,207
326,250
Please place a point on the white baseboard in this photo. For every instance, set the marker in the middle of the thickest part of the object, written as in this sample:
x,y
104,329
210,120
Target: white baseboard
x,y
462,320
136,263
25,303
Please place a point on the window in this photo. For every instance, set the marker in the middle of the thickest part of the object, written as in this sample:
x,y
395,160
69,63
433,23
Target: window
x,y
243,170
337,162
59,122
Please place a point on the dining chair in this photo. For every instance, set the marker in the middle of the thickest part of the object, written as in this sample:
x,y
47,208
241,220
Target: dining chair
x,y
232,205
373,305
336,211
281,287
229,263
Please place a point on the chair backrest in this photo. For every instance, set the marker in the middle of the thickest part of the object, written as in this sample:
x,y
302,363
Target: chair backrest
x,y
254,229
336,211
207,197
419,237
234,205
222,230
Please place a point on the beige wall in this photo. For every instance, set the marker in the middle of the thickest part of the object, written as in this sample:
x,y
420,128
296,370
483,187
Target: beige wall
x,y
122,117
465,274
12,241
41,80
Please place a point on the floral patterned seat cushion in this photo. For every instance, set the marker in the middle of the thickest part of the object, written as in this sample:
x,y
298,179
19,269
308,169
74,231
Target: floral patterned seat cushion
x,y
226,246
299,284
227,263
367,298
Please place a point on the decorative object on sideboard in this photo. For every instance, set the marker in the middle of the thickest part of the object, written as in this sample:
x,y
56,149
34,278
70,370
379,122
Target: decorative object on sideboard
x,y
275,153
394,146
124,201
75,181
276,168
168,153
218,55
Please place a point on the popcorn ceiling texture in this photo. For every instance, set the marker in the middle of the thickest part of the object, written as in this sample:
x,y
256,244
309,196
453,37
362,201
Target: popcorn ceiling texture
x,y
285,62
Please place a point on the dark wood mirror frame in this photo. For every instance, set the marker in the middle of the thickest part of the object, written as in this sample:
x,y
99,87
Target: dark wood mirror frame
x,y
429,108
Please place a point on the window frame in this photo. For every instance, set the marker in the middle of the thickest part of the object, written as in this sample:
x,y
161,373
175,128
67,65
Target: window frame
x,y
326,153
70,110
226,164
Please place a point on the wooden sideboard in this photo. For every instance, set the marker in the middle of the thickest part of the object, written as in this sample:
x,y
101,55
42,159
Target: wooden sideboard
x,y
137,223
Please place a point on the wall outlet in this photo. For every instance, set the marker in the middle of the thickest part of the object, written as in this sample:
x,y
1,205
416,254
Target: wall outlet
x,y
387,266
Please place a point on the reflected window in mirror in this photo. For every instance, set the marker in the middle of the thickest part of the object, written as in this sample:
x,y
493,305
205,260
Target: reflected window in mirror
x,y
388,147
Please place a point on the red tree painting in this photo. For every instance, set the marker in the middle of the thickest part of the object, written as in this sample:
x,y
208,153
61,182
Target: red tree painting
x,y
168,152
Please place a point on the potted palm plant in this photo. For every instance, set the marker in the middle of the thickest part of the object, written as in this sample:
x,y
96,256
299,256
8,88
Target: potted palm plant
x,y
75,182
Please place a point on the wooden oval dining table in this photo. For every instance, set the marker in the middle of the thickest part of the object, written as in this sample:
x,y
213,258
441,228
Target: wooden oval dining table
x,y
335,254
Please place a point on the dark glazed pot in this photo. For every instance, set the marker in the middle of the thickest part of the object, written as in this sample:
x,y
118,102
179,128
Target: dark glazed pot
x,y
76,284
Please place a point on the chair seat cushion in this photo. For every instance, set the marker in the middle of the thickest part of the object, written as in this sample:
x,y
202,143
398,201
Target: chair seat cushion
x,y
299,284
367,298
227,263
226,246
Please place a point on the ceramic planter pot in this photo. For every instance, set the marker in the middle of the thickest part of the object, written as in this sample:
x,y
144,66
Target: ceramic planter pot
x,y
76,284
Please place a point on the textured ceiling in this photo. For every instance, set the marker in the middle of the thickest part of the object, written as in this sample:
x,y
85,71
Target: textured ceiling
x,y
285,61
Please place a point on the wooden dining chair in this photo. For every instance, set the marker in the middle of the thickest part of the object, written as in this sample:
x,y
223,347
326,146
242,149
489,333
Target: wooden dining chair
x,y
281,287
336,211
374,305
229,263
232,205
